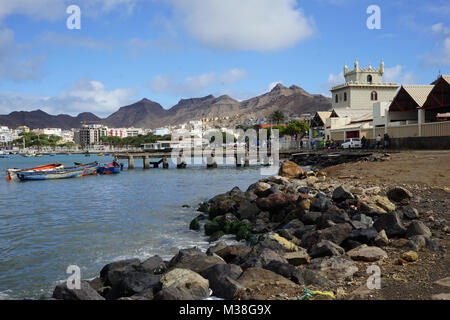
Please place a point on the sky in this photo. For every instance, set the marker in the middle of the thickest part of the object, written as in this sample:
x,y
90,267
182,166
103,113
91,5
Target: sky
x,y
167,50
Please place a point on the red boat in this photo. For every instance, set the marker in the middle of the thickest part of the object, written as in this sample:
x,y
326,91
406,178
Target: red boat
x,y
12,172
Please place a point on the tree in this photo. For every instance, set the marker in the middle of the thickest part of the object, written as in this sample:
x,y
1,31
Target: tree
x,y
277,117
296,128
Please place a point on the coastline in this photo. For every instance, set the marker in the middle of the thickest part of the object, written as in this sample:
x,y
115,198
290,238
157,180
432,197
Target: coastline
x,y
316,230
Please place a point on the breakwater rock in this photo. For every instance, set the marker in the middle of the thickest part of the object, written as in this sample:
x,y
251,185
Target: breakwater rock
x,y
304,230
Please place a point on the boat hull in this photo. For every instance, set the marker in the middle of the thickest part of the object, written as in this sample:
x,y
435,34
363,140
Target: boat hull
x,y
12,172
59,174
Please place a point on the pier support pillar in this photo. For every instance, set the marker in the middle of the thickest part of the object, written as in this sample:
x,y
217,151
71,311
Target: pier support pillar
x,y
181,162
130,163
247,160
238,161
211,162
165,163
146,162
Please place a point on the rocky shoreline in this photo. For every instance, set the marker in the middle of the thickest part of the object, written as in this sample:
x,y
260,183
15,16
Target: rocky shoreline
x,y
302,235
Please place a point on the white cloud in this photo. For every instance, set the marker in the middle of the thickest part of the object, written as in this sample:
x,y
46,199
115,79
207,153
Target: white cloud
x,y
396,74
333,80
442,56
195,84
260,25
84,96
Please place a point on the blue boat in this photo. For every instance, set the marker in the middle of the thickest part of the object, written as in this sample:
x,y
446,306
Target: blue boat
x,y
112,168
66,173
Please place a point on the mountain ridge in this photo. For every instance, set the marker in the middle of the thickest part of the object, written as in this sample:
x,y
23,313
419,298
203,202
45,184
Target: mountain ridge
x,y
146,113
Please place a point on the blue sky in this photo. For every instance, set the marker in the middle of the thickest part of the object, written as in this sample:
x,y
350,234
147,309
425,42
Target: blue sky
x,y
166,50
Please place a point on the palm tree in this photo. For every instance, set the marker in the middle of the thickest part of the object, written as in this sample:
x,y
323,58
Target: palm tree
x,y
277,117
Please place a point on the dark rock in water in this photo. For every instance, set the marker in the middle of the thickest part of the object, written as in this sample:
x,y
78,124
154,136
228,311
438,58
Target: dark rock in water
x,y
247,210
216,236
132,282
286,270
118,265
341,194
234,254
174,293
398,194
194,225
410,212
259,257
417,228
366,236
311,217
222,280
86,292
153,265
326,248
391,223
197,263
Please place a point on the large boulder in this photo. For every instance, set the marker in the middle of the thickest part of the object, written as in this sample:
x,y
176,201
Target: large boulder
x,y
261,189
115,266
247,210
321,203
367,254
194,283
198,263
286,270
222,280
258,257
366,236
234,253
391,224
275,242
153,265
86,292
275,202
298,257
185,253
336,234
265,283
130,282
399,194
291,170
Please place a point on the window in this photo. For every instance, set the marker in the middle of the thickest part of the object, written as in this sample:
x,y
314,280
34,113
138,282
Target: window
x,y
369,79
374,96
345,96
337,99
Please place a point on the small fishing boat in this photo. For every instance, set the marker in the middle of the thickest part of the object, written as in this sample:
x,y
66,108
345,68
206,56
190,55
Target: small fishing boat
x,y
66,173
112,168
100,154
12,172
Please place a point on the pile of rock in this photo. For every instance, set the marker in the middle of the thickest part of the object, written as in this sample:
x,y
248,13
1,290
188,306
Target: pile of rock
x,y
298,232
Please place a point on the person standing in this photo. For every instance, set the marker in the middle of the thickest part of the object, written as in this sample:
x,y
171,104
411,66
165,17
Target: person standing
x,y
386,141
363,142
378,141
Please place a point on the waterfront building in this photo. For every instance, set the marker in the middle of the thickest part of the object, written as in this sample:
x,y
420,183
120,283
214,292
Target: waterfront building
x,y
353,101
90,134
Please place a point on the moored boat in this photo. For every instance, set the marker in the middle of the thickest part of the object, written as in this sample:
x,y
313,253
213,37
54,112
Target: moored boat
x,y
12,172
112,168
66,173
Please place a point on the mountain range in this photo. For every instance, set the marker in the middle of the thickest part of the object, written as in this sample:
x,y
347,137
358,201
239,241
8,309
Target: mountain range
x,y
149,114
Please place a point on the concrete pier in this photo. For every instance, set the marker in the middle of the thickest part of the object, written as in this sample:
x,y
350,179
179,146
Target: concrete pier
x,y
131,163
146,162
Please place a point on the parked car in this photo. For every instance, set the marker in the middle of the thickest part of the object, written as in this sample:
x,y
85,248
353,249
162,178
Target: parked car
x,y
352,143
